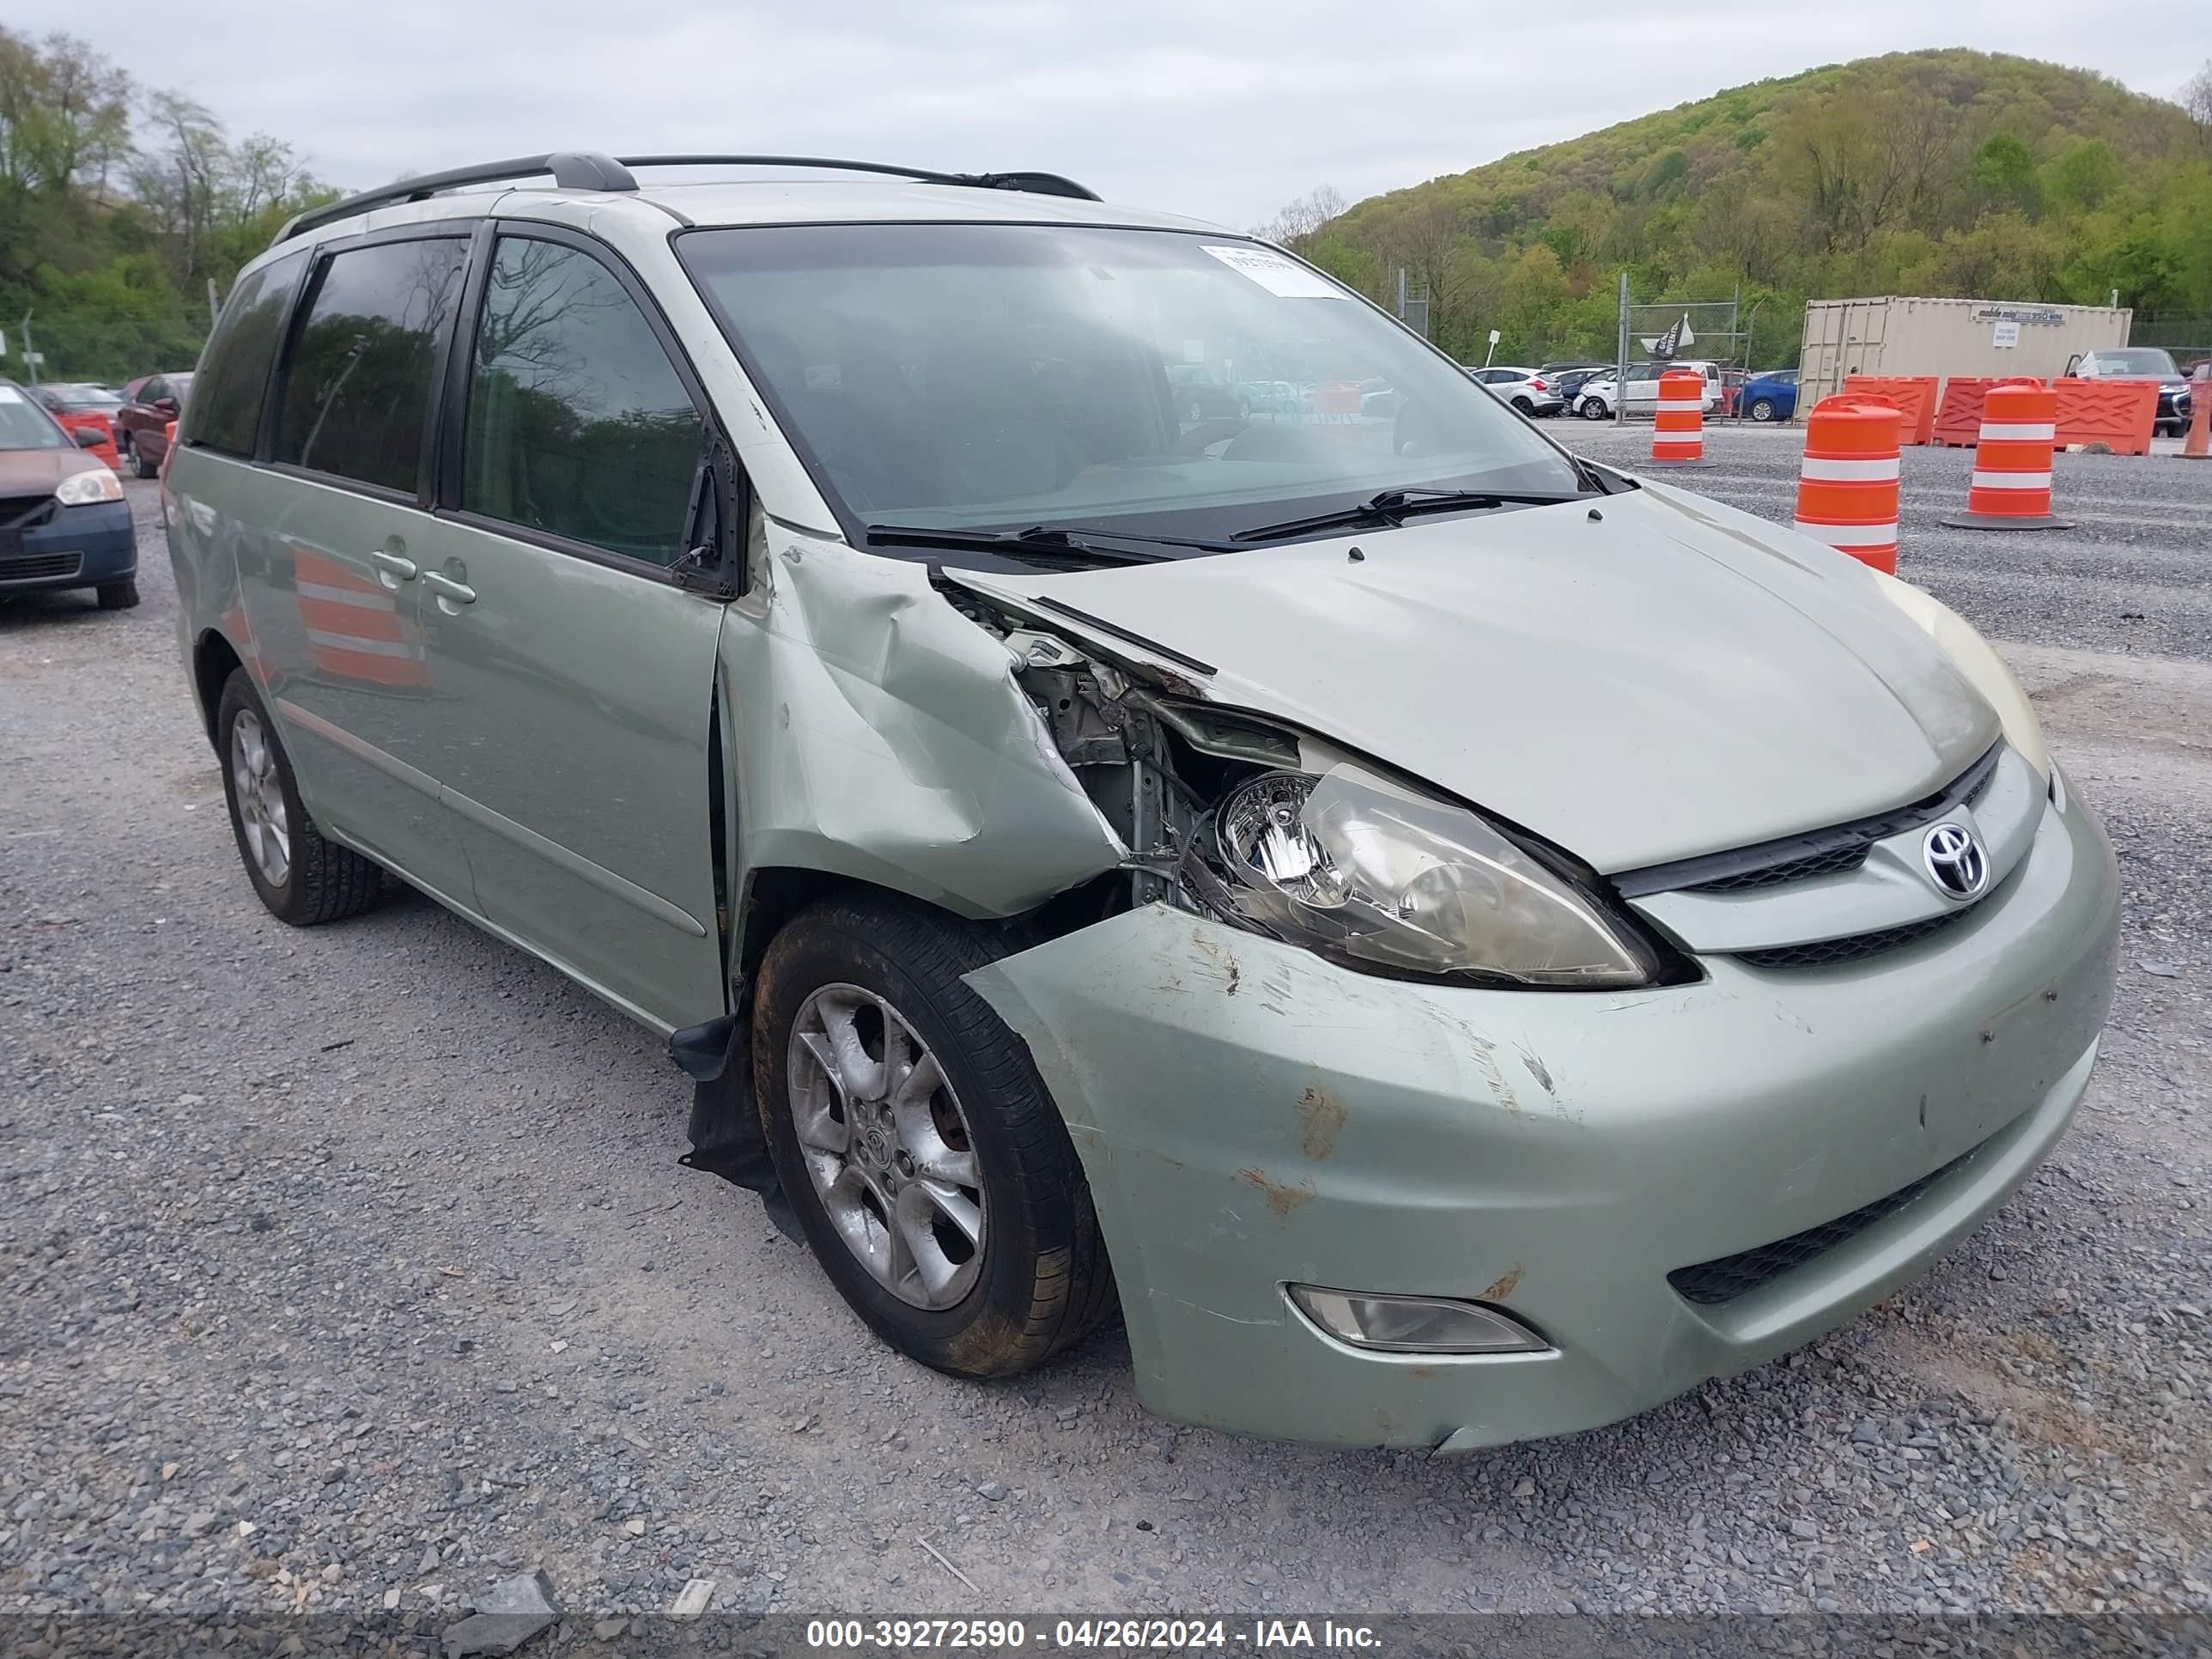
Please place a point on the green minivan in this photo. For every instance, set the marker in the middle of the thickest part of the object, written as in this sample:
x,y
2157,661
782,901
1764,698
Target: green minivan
x,y
1451,942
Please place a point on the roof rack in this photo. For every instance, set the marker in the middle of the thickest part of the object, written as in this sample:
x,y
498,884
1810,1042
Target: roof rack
x,y
584,169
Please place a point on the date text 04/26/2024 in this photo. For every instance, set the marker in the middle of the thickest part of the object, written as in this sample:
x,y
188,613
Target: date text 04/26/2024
x,y
1096,1634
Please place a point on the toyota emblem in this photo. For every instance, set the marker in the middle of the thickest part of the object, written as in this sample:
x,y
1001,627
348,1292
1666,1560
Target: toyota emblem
x,y
1956,861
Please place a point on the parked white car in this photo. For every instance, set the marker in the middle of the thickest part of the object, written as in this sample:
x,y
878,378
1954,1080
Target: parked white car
x,y
1527,390
1597,399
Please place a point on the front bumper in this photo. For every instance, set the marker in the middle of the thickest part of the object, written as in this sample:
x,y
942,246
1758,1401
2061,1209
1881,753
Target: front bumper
x,y
78,547
1250,1116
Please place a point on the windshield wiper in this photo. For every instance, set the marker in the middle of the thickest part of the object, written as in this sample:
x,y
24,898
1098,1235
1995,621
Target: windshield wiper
x,y
1052,545
1059,541
1389,508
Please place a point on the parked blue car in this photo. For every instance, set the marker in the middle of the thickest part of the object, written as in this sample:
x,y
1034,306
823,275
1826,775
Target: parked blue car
x,y
63,522
1769,397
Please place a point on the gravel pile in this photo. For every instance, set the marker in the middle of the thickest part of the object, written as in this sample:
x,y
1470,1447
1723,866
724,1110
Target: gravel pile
x,y
352,1269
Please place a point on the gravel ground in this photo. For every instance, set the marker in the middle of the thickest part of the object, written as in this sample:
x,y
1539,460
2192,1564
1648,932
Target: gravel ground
x,y
352,1268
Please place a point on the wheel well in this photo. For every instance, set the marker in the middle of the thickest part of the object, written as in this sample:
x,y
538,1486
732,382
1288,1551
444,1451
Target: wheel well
x,y
214,662
776,895
772,898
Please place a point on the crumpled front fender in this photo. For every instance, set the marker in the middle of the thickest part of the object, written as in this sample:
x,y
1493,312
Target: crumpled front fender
x,y
882,735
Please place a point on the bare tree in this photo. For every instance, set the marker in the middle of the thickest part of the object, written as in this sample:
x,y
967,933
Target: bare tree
x,y
178,183
2197,99
1298,221
263,170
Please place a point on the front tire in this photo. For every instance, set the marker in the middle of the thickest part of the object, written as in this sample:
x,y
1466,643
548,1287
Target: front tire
x,y
142,467
1592,409
928,1167
116,596
1762,409
304,878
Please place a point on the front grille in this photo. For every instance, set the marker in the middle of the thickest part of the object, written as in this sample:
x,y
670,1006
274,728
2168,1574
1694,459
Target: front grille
x,y
44,567
1710,1283
1829,861
1821,852
1854,947
21,512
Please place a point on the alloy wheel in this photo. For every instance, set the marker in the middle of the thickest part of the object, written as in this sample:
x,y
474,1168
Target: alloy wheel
x,y
887,1146
261,816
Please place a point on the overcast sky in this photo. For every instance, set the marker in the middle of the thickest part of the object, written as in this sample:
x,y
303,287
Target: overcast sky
x,y
1218,108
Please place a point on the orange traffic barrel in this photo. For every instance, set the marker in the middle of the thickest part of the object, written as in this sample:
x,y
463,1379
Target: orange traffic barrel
x,y
2199,446
2011,487
1679,432
1847,486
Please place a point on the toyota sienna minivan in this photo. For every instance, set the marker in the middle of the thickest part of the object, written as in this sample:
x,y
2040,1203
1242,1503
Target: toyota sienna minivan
x,y
1451,942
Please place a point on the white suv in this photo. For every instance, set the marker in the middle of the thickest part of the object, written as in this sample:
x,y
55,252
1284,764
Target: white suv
x,y
1597,398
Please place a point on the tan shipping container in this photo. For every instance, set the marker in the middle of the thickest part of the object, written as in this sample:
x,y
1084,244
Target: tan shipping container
x,y
1943,338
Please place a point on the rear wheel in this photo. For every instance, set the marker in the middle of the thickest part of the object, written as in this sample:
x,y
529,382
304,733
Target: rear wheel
x,y
304,878
118,596
142,466
1762,409
928,1167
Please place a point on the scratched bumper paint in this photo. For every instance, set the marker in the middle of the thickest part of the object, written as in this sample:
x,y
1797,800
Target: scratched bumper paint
x,y
1250,1116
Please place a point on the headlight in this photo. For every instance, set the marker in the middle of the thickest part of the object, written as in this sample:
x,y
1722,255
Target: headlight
x,y
1355,863
83,489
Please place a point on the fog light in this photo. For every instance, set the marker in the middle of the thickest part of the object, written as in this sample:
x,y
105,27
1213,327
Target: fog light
x,y
1415,1324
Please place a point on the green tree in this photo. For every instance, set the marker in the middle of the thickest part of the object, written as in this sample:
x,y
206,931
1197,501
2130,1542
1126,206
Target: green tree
x,y
118,206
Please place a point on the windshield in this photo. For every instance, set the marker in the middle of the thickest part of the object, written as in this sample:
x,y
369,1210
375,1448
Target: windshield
x,y
24,425
76,397
2140,360
972,376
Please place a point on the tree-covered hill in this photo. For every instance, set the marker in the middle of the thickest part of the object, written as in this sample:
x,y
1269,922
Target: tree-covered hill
x,y
118,203
1938,173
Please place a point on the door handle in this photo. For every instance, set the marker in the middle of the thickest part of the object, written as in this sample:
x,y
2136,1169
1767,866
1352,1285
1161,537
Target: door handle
x,y
446,588
403,569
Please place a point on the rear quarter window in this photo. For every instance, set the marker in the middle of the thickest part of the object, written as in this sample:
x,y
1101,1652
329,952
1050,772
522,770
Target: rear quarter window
x,y
225,414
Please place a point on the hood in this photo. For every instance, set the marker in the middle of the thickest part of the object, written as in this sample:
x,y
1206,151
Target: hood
x,y
36,471
1677,677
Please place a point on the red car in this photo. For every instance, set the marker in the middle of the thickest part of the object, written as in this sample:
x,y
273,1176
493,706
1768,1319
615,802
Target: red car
x,y
82,408
141,427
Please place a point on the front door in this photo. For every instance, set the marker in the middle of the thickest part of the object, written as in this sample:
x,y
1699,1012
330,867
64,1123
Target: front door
x,y
574,749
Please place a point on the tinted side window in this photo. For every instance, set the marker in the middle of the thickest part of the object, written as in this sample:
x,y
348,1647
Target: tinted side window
x,y
357,385
578,425
226,409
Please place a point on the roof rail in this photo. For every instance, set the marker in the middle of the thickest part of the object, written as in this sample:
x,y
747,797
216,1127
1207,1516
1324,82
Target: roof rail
x,y
1037,184
586,169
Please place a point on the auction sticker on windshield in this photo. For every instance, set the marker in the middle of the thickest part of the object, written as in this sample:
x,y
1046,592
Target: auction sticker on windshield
x,y
1274,273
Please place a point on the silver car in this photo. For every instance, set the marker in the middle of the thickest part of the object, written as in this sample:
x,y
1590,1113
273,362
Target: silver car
x,y
1452,942
1525,390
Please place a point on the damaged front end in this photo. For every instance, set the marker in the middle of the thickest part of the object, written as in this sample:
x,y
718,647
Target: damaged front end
x,y
1234,816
